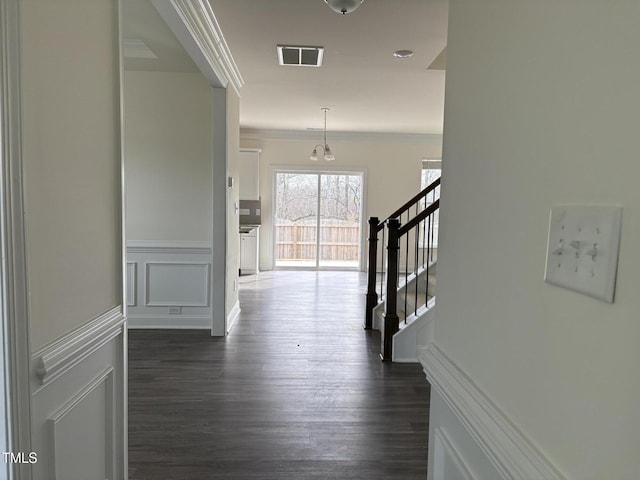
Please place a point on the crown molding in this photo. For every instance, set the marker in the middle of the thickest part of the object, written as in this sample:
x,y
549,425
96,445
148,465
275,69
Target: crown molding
x,y
196,27
341,137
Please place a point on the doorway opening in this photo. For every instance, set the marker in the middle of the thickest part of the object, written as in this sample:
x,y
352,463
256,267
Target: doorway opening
x,y
318,219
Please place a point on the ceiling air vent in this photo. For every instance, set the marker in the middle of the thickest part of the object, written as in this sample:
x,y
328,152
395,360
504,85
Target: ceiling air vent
x,y
299,56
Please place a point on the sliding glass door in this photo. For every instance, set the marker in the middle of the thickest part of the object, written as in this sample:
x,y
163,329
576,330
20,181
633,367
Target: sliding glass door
x,y
296,220
339,220
318,219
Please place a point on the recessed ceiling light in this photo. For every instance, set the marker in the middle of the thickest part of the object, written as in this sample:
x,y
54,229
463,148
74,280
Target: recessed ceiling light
x,y
403,53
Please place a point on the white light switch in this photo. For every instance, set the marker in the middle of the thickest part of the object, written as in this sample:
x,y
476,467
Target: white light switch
x,y
582,253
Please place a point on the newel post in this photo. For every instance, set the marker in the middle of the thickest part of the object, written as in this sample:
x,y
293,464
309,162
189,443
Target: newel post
x,y
391,319
372,295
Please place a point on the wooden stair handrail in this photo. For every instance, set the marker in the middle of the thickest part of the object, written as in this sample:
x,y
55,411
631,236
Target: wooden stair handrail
x,y
375,227
396,214
404,229
396,231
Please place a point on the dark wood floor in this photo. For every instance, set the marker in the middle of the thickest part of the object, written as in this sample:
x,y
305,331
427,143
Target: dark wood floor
x,y
296,391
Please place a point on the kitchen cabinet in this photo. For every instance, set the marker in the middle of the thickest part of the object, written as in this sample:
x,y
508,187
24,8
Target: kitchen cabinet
x,y
249,241
249,174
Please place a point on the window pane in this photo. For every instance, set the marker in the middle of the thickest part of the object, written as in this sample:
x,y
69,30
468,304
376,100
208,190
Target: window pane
x,y
296,219
340,199
430,175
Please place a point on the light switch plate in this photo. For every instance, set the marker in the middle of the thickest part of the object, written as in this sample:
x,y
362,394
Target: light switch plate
x,y
582,253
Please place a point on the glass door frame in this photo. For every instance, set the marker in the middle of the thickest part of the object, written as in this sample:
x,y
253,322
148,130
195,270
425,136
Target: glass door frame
x,y
316,170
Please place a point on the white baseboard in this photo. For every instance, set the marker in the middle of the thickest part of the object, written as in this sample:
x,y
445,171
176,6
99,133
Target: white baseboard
x,y
173,322
377,314
405,341
509,451
233,315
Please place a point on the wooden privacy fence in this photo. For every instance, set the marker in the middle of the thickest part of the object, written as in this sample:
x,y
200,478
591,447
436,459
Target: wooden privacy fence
x,y
298,242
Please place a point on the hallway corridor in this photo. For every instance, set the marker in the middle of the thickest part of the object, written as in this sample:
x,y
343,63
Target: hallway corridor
x,y
296,391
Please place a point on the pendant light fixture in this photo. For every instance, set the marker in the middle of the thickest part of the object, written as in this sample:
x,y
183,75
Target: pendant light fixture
x,y
343,6
328,154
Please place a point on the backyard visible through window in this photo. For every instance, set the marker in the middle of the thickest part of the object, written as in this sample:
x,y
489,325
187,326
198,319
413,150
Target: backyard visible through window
x,y
318,219
430,175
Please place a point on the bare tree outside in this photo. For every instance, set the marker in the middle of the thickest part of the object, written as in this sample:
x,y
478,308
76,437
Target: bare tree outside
x,y
339,198
428,176
297,198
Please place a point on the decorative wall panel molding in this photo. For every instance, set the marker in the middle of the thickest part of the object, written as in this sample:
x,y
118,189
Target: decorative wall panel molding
x,y
78,411
172,287
177,284
57,358
511,453
448,462
169,248
132,285
95,449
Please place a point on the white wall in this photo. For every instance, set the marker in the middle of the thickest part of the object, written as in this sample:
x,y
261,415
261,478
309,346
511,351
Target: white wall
x,y
72,168
393,173
169,155
233,168
168,148
71,157
541,109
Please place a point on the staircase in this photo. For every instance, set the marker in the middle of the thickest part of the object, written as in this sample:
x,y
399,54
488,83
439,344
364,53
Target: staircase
x,y
401,274
410,297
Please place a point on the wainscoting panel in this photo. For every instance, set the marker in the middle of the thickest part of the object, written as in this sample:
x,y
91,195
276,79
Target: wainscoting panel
x,y
78,403
173,285
132,275
177,284
470,438
79,415
447,461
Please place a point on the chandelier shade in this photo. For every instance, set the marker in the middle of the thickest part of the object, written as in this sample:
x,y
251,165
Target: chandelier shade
x,y
327,153
343,6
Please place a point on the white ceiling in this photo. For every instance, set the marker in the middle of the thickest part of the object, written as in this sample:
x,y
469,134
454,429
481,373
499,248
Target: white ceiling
x,y
141,22
366,88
